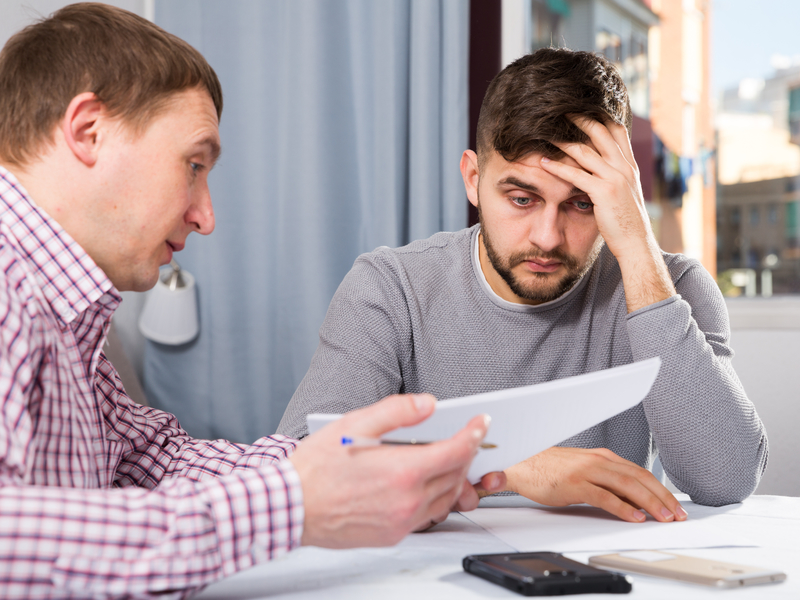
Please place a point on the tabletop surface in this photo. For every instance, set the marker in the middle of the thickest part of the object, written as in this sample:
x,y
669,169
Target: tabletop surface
x,y
763,531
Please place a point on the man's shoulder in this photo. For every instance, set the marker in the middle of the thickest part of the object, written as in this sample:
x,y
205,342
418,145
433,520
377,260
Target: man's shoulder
x,y
680,264
439,250
13,270
440,261
17,297
429,248
677,264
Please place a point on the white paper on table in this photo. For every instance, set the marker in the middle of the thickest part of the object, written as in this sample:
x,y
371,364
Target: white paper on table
x,y
527,420
585,528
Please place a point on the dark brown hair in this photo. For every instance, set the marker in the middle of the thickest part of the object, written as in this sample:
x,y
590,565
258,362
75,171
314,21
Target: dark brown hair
x,y
526,105
130,64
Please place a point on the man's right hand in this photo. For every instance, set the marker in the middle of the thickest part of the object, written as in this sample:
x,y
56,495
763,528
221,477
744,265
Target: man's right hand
x,y
563,476
374,496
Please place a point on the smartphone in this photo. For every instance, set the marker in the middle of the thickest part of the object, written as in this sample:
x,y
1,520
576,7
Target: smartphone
x,y
687,568
545,574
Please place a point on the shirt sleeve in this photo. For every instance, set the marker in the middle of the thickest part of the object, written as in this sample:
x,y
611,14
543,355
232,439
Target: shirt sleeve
x,y
152,446
698,411
182,512
135,542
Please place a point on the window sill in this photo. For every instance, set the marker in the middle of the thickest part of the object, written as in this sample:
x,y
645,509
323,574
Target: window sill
x,y
778,312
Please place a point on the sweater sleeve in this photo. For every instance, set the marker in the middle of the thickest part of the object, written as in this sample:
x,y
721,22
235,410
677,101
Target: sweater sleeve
x,y
364,345
710,439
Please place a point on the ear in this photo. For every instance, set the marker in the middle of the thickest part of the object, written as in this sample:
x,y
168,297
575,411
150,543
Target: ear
x,y
80,126
471,175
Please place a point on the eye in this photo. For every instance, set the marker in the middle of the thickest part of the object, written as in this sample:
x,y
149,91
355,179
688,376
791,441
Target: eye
x,y
521,200
196,167
583,205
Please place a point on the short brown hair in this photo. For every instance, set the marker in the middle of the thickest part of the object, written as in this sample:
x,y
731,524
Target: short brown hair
x,y
130,64
526,106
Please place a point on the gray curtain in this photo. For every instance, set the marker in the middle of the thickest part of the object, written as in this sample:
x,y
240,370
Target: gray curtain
x,y
343,125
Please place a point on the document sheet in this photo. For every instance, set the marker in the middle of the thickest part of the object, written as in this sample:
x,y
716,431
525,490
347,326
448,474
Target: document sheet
x,y
530,527
529,419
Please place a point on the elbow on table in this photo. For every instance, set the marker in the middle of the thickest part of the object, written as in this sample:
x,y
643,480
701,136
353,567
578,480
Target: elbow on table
x,y
728,478
726,486
721,497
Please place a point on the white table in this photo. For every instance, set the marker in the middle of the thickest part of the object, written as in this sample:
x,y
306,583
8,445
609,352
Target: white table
x,y
428,565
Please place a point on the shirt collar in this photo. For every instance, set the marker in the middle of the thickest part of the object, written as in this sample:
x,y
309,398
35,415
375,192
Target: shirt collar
x,y
68,277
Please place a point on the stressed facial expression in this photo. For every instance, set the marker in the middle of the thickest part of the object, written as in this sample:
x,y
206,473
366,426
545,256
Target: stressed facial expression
x,y
157,191
538,232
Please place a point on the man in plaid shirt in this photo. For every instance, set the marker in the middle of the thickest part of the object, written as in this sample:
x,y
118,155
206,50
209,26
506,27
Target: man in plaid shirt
x,y
108,129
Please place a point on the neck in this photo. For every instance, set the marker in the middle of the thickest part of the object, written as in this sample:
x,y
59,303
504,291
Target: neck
x,y
64,195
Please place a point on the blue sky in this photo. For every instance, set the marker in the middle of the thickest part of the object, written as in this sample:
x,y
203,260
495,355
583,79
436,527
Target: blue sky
x,y
747,33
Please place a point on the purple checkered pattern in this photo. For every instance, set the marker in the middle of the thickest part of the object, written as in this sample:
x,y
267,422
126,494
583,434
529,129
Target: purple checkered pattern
x,y
98,495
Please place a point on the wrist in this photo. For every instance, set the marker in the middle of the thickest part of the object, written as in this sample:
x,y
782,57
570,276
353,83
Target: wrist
x,y
646,278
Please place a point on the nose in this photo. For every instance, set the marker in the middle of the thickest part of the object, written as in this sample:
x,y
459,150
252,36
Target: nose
x,y
201,213
546,231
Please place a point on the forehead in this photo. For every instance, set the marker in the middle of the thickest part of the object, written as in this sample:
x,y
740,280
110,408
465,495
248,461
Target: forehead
x,y
499,172
187,117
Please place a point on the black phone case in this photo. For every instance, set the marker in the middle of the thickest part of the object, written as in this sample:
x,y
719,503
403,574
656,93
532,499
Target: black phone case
x,y
574,578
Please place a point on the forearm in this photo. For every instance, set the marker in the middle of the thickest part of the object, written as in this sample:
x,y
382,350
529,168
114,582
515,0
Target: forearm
x,y
153,447
711,442
180,536
199,459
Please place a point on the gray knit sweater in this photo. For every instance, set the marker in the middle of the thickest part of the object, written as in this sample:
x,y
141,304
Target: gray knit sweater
x,y
422,318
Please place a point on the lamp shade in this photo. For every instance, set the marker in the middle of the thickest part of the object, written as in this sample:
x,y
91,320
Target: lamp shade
x,y
169,315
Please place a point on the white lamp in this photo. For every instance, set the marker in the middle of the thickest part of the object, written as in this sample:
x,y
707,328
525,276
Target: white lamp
x,y
169,315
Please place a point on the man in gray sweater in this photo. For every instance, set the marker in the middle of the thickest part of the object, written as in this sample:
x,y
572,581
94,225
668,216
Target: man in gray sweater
x,y
562,277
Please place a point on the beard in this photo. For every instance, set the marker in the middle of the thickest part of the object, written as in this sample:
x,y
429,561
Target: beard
x,y
543,287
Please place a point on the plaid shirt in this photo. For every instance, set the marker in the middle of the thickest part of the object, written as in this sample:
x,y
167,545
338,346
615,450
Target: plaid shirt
x,y
98,495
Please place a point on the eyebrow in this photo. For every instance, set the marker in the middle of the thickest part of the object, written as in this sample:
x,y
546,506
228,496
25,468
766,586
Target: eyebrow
x,y
513,181
213,144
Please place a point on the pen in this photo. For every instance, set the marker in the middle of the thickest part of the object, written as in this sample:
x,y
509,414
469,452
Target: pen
x,y
362,442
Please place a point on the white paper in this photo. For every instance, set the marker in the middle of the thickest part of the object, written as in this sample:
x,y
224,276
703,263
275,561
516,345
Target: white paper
x,y
527,420
585,528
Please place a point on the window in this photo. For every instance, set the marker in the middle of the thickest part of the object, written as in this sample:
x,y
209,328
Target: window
x,y
610,45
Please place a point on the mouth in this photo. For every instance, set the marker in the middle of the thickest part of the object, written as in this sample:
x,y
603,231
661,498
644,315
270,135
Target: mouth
x,y
175,246
539,266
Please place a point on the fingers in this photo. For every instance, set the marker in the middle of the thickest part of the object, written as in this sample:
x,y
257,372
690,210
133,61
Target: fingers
x,y
388,414
665,502
610,139
491,483
611,503
457,452
469,497
638,488
635,488
582,178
